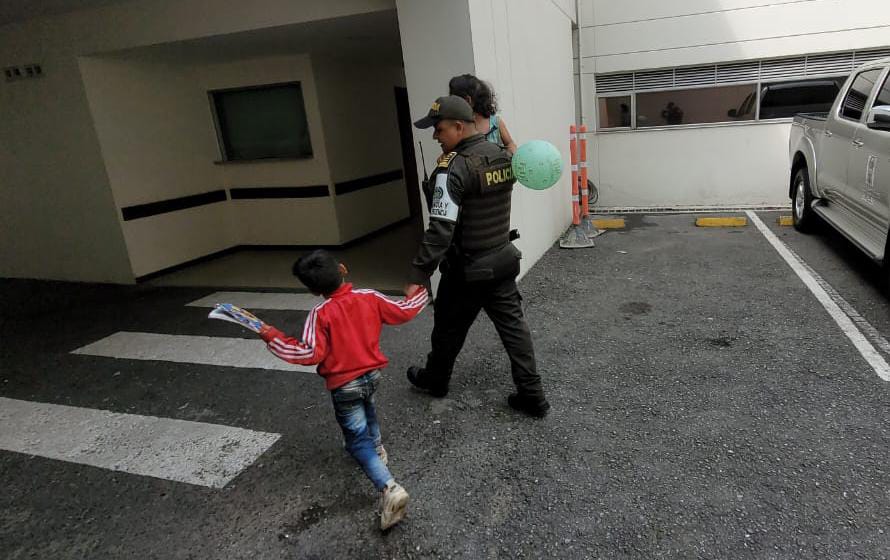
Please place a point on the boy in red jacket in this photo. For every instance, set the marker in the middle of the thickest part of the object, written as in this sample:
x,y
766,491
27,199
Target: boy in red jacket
x,y
342,336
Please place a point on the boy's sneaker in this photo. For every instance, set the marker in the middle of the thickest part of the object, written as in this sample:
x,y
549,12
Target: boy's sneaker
x,y
384,456
393,504
419,378
538,409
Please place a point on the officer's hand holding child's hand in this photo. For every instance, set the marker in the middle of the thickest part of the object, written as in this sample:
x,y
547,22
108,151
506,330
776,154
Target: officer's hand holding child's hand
x,y
411,289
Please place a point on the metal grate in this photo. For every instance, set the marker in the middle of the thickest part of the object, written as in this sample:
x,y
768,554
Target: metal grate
x,y
614,83
738,72
660,79
829,64
783,68
695,76
861,57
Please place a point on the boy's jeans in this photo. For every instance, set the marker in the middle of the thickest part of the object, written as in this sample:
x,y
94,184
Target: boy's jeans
x,y
357,416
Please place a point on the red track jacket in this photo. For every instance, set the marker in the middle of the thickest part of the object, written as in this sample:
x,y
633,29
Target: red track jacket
x,y
342,334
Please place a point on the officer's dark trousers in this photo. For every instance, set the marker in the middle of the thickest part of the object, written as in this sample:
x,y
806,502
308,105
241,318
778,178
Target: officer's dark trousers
x,y
457,305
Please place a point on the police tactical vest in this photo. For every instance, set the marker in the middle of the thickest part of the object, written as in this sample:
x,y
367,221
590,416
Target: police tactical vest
x,y
485,208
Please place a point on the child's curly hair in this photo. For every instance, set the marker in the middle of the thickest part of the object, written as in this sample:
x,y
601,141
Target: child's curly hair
x,y
481,93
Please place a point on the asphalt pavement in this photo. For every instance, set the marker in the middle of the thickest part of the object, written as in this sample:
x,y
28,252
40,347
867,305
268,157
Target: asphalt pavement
x,y
705,405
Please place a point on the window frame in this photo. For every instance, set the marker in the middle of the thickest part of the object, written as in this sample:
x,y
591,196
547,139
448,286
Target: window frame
x,y
765,83
633,110
866,107
692,125
214,109
759,84
884,81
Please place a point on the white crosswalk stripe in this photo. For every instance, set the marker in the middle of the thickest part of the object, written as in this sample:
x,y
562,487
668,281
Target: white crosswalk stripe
x,y
189,349
260,300
179,450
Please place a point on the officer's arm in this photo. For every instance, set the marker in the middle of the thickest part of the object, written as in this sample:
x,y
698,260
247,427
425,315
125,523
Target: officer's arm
x,y
444,212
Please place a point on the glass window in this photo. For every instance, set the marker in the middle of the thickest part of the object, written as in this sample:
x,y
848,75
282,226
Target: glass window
x,y
781,100
614,112
857,97
262,122
883,97
696,106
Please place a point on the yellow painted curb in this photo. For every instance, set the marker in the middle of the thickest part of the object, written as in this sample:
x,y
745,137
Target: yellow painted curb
x,y
609,223
721,222
786,221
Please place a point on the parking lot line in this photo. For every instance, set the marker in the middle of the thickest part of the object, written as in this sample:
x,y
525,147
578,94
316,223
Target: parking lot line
x,y
261,300
179,450
721,222
833,303
609,223
180,348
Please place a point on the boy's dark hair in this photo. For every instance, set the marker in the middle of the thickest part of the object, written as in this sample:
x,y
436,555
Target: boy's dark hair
x,y
481,93
319,271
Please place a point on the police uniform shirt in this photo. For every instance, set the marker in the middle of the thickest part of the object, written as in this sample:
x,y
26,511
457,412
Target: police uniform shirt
x,y
478,176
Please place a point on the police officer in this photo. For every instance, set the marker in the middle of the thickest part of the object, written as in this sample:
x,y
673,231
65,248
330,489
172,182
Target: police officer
x,y
469,238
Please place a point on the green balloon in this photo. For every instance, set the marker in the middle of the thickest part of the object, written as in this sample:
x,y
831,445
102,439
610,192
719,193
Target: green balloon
x,y
537,165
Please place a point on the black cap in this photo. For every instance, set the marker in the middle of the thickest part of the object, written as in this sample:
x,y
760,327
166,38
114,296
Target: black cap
x,y
448,107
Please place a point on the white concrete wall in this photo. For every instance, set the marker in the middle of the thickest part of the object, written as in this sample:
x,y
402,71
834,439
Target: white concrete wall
x,y
302,221
643,34
59,219
524,48
157,140
358,108
436,45
155,125
738,165
641,168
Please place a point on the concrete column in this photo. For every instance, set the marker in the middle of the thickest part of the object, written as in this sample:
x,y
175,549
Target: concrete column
x,y
524,49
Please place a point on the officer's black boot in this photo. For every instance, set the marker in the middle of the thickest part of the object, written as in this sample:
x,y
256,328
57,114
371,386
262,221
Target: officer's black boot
x,y
422,380
538,409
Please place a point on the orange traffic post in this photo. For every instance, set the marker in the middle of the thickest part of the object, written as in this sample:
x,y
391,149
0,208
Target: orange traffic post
x,y
573,149
587,226
575,237
582,165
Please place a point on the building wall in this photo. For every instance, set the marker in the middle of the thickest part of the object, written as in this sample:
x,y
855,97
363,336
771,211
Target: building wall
x,y
358,108
157,144
644,34
60,220
287,221
644,168
524,48
651,34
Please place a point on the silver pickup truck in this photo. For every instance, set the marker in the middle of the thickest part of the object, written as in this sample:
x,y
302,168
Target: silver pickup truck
x,y
840,163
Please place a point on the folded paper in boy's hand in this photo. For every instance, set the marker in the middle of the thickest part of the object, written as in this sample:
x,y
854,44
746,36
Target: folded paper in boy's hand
x,y
233,314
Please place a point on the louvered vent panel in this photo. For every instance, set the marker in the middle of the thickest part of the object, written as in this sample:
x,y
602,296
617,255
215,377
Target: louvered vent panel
x,y
654,80
697,76
739,72
855,102
829,64
783,68
614,83
861,57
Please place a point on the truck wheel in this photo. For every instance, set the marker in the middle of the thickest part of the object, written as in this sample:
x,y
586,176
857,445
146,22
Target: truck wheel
x,y
801,204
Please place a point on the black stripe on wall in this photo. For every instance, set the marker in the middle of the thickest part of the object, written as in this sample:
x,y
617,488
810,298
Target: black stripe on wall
x,y
365,182
247,193
172,204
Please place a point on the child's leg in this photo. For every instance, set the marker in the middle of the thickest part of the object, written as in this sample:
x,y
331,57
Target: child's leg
x,y
349,408
371,415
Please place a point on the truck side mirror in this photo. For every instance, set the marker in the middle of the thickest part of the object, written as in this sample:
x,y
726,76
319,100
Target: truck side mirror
x,y
879,118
